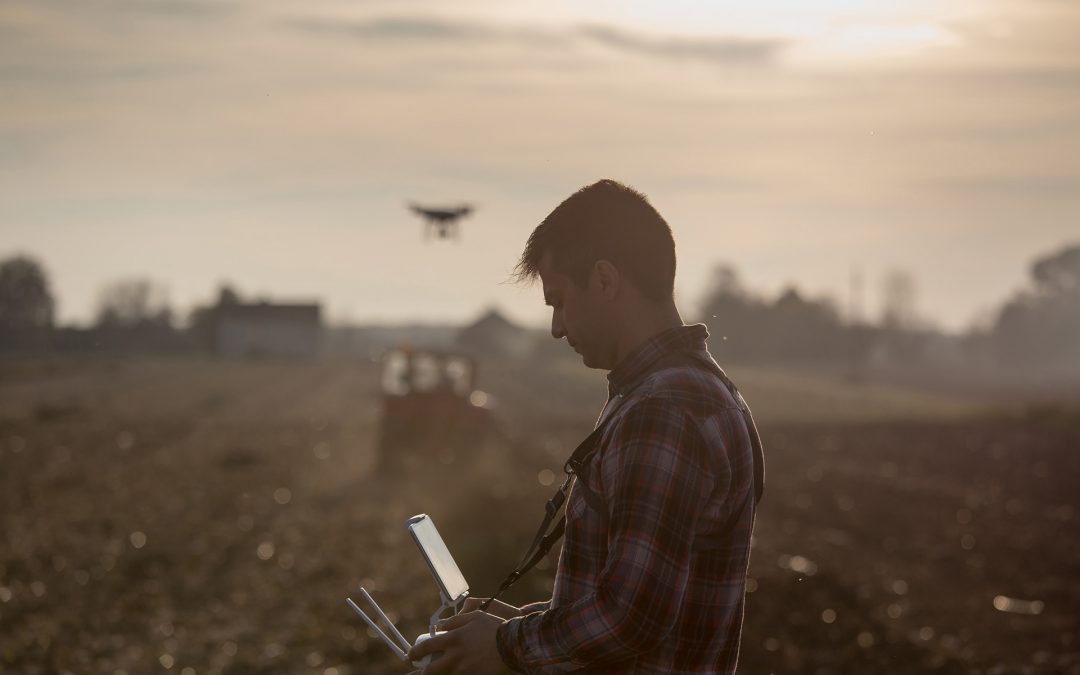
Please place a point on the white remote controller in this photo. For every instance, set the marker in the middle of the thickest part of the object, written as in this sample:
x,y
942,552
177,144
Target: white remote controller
x,y
453,589
426,661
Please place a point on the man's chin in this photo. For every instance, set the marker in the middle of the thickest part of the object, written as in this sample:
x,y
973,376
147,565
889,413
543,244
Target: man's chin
x,y
589,363
587,359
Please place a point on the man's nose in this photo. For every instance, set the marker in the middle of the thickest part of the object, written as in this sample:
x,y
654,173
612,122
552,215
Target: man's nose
x,y
557,330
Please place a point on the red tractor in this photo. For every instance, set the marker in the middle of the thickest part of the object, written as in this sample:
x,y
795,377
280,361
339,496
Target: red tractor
x,y
431,414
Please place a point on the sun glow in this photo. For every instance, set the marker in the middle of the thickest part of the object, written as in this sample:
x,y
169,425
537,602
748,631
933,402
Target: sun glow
x,y
818,30
878,40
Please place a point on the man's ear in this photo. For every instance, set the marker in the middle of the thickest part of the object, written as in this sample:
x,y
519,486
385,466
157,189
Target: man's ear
x,y
608,278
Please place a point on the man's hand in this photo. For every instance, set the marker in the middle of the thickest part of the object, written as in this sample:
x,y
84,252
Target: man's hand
x,y
468,646
498,608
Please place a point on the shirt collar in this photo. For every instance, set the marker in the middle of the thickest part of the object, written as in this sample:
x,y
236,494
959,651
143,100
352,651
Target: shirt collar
x,y
638,363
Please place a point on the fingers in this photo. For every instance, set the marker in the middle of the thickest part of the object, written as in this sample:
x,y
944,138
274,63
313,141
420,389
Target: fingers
x,y
435,644
502,610
457,621
472,604
440,666
445,664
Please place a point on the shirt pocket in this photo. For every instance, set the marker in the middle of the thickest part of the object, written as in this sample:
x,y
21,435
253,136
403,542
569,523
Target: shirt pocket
x,y
585,541
585,507
576,507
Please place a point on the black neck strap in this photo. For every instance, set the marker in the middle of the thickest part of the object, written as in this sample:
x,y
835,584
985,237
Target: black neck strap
x,y
544,540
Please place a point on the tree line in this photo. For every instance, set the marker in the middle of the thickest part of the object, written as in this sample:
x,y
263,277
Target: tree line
x,y
1038,325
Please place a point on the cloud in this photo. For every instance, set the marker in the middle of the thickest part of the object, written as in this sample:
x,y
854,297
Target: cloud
x,y
1052,77
1033,33
722,50
718,50
53,42
1008,186
170,8
396,28
88,74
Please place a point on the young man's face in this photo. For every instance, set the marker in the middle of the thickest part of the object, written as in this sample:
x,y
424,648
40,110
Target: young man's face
x,y
578,314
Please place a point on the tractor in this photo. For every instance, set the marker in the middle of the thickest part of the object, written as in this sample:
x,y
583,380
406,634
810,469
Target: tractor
x,y
431,414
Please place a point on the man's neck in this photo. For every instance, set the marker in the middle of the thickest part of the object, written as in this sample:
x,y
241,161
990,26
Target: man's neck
x,y
643,325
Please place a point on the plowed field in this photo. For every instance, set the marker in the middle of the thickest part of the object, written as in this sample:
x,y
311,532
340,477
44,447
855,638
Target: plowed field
x,y
198,517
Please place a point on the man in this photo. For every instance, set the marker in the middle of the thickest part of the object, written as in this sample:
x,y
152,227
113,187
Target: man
x,y
651,576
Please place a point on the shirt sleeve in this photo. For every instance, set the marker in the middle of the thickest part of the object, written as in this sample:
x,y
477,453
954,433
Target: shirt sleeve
x,y
535,607
654,479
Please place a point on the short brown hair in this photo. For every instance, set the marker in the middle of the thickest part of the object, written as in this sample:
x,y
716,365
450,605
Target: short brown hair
x,y
605,221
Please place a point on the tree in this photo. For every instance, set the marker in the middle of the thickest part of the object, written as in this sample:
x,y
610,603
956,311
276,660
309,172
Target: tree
x,y
227,296
731,313
132,303
1058,274
790,328
25,300
1042,325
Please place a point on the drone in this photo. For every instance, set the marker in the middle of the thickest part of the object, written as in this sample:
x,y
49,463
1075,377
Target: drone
x,y
442,221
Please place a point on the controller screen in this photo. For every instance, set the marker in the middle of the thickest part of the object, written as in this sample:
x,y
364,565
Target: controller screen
x,y
438,556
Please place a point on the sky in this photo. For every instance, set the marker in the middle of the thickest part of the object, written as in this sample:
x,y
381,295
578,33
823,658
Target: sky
x,y
274,145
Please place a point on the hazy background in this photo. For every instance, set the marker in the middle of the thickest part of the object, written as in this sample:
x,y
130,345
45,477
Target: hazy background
x,y
274,144
207,261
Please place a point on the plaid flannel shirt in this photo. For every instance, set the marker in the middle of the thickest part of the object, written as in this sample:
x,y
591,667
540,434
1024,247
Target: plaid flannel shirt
x,y
652,572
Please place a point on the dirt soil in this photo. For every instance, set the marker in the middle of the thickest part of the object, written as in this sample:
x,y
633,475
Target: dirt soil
x,y
197,517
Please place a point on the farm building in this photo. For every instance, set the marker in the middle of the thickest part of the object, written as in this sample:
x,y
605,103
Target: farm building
x,y
265,330
495,335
